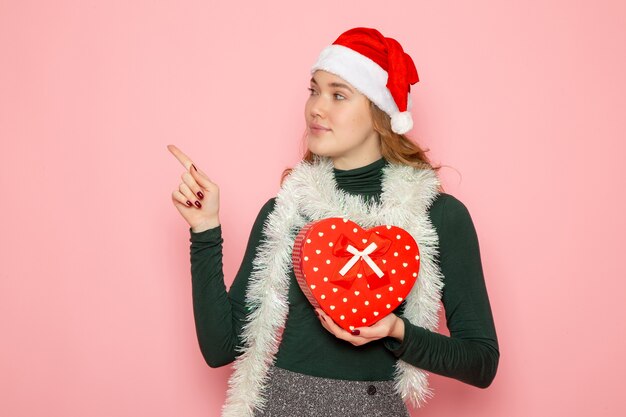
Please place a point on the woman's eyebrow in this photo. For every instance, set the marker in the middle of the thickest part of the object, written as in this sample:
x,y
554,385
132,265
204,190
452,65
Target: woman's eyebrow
x,y
336,85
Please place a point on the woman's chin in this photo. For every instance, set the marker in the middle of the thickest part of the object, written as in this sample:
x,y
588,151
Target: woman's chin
x,y
317,150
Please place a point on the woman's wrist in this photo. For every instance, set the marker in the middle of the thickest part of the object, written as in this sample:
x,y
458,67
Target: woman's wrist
x,y
397,330
209,224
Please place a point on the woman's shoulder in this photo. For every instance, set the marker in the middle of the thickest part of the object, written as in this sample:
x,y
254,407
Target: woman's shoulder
x,y
262,216
269,205
264,212
447,201
447,210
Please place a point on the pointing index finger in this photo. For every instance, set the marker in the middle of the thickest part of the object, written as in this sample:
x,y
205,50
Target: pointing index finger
x,y
182,158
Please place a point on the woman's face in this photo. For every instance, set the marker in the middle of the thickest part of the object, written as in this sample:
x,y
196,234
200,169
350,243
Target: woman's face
x,y
339,122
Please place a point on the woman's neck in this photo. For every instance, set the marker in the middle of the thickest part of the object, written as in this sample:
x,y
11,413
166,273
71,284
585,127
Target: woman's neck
x,y
345,163
366,179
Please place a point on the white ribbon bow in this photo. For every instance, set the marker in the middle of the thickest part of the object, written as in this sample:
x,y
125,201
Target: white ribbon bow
x,y
364,254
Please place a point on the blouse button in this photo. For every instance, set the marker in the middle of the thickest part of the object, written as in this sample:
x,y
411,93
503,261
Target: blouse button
x,y
371,390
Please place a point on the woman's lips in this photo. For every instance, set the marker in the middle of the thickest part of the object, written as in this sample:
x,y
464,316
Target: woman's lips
x,y
317,129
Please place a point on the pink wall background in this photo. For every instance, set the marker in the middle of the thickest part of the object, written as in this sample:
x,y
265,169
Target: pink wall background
x,y
525,101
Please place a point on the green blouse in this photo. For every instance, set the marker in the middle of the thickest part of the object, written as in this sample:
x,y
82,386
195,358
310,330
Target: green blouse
x,y
470,354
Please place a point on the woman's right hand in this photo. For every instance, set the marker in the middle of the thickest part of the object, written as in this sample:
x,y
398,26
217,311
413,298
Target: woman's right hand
x,y
197,197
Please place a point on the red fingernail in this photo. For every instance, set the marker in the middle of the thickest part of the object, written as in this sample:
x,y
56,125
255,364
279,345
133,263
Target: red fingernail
x,y
197,203
200,194
356,332
194,167
189,203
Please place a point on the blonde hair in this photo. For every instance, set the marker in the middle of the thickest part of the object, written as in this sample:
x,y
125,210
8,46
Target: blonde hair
x,y
394,147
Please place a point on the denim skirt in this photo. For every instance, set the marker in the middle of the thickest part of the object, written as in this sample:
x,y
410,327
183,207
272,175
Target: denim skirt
x,y
291,394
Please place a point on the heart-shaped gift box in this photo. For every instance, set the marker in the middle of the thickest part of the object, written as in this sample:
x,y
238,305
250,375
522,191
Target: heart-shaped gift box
x,y
357,276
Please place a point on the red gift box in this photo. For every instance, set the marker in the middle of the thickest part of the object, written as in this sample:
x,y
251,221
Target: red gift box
x,y
357,276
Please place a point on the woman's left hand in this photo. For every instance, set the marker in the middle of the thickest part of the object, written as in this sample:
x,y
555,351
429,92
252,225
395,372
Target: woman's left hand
x,y
390,325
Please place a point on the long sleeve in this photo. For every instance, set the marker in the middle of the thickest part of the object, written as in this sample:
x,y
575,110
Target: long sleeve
x,y
471,353
219,315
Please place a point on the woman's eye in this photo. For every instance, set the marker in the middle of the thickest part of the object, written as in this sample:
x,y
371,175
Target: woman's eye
x,y
339,96
311,91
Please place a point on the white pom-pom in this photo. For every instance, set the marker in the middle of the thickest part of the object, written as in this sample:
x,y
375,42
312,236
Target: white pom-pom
x,y
401,122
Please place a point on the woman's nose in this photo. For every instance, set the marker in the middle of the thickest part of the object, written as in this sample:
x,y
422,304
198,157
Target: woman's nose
x,y
317,108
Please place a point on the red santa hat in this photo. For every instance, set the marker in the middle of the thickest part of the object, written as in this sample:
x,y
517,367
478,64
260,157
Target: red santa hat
x,y
376,66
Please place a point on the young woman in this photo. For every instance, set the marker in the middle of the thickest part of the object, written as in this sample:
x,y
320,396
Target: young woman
x,y
292,359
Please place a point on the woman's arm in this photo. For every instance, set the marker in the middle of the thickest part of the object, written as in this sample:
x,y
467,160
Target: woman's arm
x,y
219,315
471,353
